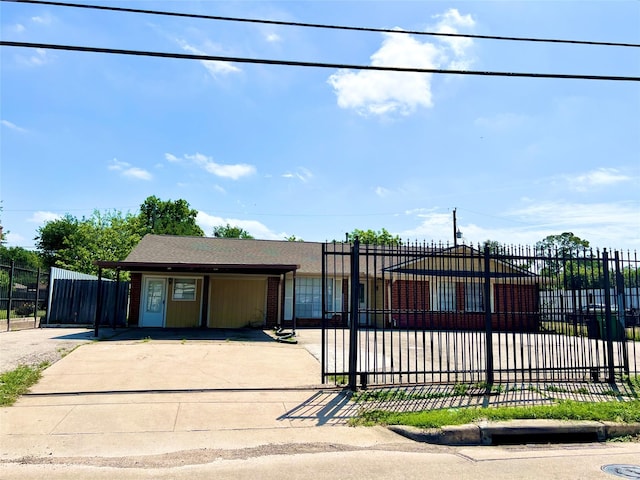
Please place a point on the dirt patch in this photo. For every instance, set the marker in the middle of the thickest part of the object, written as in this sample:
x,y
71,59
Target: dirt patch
x,y
205,455
37,345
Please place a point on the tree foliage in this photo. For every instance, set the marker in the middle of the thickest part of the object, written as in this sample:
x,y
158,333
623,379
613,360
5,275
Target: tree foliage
x,y
76,244
371,237
227,231
21,256
168,217
54,237
565,244
569,262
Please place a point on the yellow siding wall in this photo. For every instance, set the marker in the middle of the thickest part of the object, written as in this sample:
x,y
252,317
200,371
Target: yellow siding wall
x,y
237,303
184,313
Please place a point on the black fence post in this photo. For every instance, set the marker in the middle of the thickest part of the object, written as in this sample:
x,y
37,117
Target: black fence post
x,y
10,299
608,324
37,303
323,348
622,309
353,327
488,329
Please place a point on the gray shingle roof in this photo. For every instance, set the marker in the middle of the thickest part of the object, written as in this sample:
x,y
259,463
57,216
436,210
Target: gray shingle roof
x,y
169,249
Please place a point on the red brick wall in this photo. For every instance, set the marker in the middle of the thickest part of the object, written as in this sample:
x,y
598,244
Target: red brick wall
x,y
273,299
134,298
410,295
516,298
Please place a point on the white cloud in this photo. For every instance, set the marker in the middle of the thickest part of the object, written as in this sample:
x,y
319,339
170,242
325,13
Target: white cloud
x,y
601,177
501,122
611,225
233,171
43,217
301,173
42,19
18,28
14,239
603,224
382,192
385,93
214,68
39,58
256,229
451,22
171,158
272,37
12,126
129,171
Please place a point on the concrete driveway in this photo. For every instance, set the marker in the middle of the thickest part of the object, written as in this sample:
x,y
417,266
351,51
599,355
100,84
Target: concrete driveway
x,y
156,391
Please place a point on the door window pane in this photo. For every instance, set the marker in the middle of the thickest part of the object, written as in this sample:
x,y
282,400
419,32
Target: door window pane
x,y
154,296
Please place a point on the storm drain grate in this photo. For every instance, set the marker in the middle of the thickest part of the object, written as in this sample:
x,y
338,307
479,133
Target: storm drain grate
x,y
543,438
623,471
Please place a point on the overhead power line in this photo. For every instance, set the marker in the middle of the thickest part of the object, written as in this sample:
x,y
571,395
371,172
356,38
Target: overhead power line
x,y
292,63
318,25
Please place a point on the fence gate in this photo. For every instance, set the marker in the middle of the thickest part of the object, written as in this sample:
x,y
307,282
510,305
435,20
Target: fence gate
x,y
423,314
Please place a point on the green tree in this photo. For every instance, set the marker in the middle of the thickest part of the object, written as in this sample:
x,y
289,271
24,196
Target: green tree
x,y
371,237
568,260
293,238
227,231
21,256
494,246
53,237
77,244
565,244
168,218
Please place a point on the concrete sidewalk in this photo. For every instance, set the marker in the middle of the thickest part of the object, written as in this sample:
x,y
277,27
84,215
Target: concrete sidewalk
x,y
150,392
159,394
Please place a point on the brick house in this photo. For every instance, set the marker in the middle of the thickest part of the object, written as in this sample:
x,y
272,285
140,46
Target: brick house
x,y
187,282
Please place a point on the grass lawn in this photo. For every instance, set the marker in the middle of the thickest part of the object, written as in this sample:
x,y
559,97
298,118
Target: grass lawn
x,y
625,412
16,382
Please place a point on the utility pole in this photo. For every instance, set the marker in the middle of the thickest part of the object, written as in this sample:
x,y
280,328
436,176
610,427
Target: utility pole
x,y
455,229
456,232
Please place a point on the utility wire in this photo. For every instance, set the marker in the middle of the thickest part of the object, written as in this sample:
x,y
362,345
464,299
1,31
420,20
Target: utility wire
x,y
317,25
292,63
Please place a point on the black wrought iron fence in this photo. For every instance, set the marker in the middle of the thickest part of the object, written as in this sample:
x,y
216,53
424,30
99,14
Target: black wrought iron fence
x,y
23,292
419,314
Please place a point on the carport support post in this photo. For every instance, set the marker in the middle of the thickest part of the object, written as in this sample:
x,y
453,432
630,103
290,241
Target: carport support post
x,y
488,329
96,325
116,309
293,308
353,317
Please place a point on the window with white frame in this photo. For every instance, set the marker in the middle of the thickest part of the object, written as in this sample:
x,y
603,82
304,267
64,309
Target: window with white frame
x,y
473,297
443,296
184,289
309,296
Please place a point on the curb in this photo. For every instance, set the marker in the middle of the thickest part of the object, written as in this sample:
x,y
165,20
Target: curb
x,y
518,432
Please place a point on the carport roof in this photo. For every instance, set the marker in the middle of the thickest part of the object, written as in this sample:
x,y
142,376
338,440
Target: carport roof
x,y
221,255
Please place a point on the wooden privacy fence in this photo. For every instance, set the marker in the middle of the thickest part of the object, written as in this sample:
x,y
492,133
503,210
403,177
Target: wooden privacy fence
x,y
73,299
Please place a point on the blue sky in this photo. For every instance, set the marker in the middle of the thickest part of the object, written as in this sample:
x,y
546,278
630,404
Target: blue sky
x,y
314,152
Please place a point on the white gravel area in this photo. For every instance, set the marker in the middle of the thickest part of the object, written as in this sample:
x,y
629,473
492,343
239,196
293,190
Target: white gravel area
x,y
36,345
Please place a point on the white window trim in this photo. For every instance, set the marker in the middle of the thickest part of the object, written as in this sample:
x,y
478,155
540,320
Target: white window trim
x,y
174,280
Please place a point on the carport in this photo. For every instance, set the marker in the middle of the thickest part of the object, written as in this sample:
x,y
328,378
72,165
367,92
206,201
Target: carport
x,y
207,295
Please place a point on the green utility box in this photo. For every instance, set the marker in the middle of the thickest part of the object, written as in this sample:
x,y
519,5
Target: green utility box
x,y
617,329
